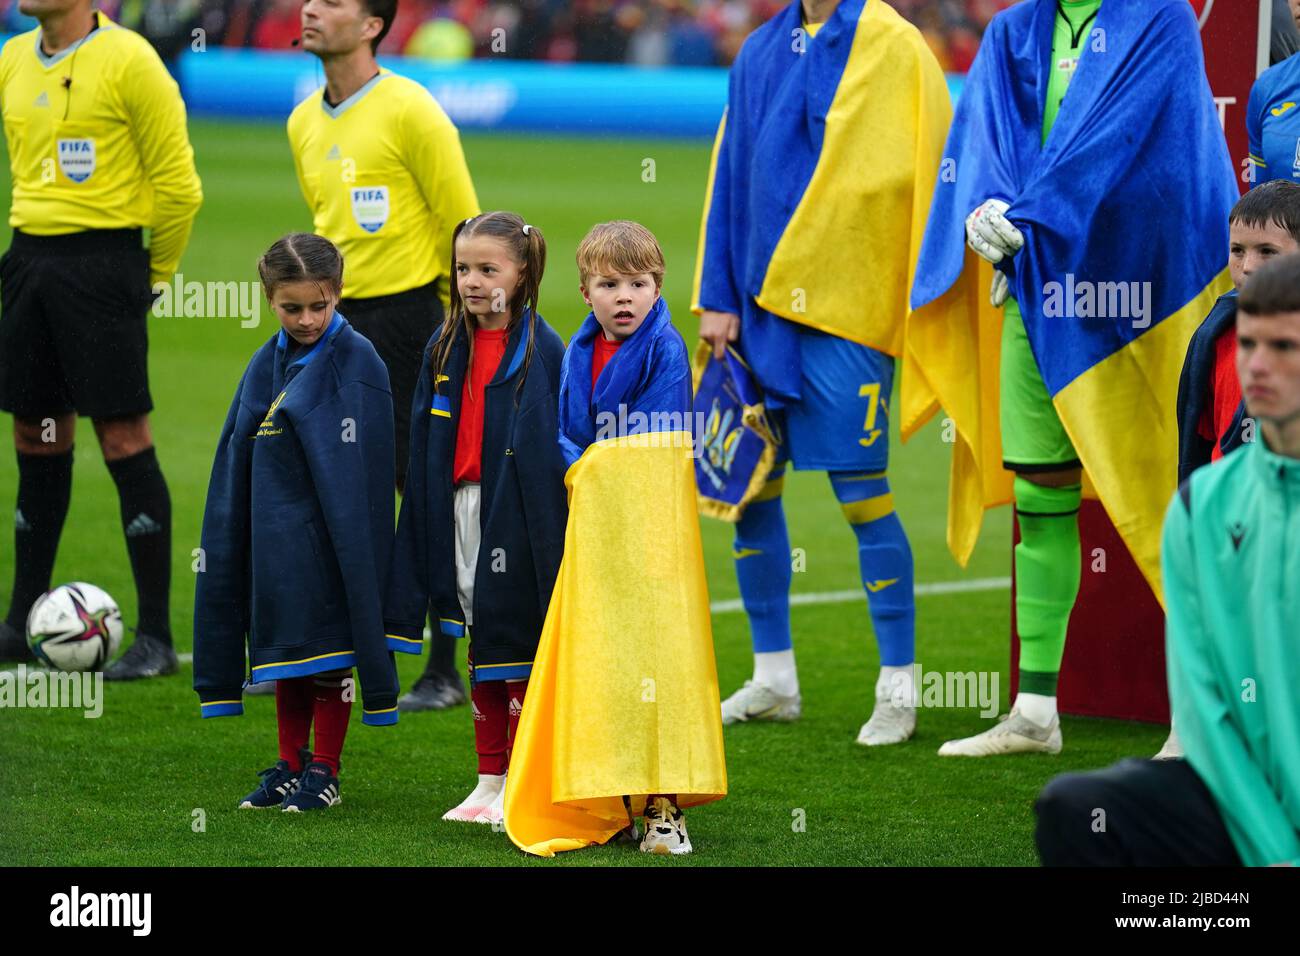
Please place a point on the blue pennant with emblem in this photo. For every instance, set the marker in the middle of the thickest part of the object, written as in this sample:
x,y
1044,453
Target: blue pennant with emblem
x,y
738,445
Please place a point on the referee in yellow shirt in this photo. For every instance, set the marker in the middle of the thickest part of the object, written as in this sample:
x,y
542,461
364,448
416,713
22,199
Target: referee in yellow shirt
x,y
382,169
98,150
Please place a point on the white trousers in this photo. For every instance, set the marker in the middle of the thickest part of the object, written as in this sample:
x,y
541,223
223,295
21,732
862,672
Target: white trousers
x,y
468,534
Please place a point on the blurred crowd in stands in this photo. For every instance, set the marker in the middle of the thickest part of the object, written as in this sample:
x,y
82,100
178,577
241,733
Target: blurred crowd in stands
x,y
643,32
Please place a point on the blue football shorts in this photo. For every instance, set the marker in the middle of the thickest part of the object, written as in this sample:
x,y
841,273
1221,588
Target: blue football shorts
x,y
841,423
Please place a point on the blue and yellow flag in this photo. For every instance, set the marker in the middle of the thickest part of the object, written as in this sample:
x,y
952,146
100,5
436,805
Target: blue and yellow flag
x,y
822,173
1124,211
623,699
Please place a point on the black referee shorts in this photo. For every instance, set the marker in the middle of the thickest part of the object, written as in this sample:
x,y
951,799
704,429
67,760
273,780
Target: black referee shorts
x,y
399,326
73,333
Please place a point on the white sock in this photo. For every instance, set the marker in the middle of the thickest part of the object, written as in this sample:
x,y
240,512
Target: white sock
x,y
776,669
897,685
1036,707
489,785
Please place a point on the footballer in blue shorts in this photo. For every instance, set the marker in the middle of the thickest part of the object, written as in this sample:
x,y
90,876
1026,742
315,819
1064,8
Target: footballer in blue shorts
x,y
790,277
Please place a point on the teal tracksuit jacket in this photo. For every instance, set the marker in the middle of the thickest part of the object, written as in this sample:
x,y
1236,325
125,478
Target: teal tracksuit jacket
x,y
1231,564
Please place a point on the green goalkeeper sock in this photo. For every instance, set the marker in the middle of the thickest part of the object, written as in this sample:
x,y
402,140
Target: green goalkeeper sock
x,y
1047,579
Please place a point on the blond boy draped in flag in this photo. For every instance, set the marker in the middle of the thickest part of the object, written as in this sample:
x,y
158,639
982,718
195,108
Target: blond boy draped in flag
x,y
1104,210
622,707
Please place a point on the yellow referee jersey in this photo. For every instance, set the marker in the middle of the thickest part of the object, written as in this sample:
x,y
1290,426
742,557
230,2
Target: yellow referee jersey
x,y
386,180
97,140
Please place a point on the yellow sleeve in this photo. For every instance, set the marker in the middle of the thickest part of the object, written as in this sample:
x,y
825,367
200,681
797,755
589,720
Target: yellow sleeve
x,y
432,145
4,65
296,149
156,114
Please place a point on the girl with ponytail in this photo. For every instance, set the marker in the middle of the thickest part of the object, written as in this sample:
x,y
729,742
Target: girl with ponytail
x,y
481,529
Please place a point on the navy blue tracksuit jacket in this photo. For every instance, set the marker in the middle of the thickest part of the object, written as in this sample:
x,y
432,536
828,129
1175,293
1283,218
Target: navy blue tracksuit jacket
x,y
522,512
298,526
1194,387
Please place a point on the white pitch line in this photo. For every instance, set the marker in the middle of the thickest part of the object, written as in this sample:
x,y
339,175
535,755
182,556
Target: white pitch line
x,y
13,668
798,600
844,597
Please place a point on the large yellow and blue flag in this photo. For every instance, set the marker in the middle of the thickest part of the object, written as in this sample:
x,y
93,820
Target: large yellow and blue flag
x,y
1124,210
822,173
623,698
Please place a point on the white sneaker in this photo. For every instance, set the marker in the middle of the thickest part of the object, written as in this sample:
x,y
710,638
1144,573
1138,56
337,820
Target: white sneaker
x,y
1173,748
1014,733
888,724
665,829
490,787
757,701
494,812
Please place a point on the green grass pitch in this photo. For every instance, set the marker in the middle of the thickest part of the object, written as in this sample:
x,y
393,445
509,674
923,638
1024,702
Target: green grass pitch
x,y
122,790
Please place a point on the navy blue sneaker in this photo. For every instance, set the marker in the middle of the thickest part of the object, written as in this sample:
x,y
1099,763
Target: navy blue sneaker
x,y
277,783
317,789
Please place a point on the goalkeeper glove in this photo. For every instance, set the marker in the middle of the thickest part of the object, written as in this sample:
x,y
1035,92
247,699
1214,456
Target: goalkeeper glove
x,y
989,232
998,291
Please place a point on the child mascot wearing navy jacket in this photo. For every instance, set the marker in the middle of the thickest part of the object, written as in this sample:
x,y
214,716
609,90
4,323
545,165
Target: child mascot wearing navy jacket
x,y
481,531
297,531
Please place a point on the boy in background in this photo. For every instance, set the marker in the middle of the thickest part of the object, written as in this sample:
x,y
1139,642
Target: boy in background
x,y
1264,224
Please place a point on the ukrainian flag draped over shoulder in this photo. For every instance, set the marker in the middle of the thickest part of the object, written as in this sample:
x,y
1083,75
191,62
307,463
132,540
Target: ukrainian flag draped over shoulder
x,y
623,698
822,173
1124,209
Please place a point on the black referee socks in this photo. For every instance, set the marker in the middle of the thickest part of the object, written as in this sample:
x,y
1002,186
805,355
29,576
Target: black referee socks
x,y
147,521
44,489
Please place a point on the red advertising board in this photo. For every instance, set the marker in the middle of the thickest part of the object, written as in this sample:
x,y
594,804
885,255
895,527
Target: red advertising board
x,y
1235,36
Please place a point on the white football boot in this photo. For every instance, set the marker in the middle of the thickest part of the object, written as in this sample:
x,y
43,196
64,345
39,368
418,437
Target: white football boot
x,y
889,723
1173,748
757,701
490,787
1014,733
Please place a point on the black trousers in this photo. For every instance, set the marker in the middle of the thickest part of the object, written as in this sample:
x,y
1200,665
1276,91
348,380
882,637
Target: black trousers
x,y
1136,813
399,326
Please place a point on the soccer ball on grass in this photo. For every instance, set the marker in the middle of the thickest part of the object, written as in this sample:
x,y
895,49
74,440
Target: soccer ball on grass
x,y
74,627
